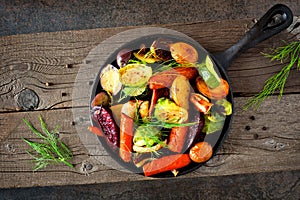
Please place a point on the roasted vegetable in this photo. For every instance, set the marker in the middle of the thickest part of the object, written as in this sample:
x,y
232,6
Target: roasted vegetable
x,y
110,79
161,80
208,73
116,112
180,91
101,99
177,139
183,53
144,110
194,132
219,92
123,57
201,152
226,105
126,135
166,163
147,136
201,103
157,94
96,131
213,122
105,120
168,111
134,75
189,72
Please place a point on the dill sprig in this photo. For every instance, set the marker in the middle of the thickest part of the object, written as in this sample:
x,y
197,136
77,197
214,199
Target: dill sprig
x,y
289,53
50,150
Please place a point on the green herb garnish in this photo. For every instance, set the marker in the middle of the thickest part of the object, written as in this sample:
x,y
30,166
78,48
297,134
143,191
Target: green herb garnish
x,y
289,53
50,150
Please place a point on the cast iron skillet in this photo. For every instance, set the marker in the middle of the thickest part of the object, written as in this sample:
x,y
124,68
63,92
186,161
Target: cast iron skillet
x,y
278,18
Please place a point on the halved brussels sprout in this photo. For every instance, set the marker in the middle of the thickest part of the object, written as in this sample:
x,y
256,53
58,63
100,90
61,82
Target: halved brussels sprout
x,y
134,75
167,111
226,105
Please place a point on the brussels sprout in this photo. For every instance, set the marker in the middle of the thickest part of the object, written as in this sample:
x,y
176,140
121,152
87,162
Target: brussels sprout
x,y
226,105
167,111
213,122
146,136
134,75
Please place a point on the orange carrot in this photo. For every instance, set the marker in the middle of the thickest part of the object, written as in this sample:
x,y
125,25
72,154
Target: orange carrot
x,y
177,139
166,163
96,130
126,136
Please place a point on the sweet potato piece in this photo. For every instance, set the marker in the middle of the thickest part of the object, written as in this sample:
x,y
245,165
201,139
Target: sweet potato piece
x,y
126,136
189,72
161,80
166,163
177,139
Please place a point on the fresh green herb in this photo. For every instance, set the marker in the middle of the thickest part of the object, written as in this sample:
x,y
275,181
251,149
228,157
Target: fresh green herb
x,y
128,92
157,123
50,150
288,53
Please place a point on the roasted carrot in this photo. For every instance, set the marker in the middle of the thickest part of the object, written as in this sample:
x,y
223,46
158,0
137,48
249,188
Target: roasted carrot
x,y
177,139
165,79
126,136
166,163
96,130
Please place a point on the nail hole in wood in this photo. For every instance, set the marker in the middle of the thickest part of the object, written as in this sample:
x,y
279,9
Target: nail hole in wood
x,y
28,99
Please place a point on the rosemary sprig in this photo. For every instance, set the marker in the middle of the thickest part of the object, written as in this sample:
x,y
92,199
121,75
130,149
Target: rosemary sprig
x,y
289,53
50,150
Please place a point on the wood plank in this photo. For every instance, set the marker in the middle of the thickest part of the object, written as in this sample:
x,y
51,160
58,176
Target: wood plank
x,y
32,17
245,186
38,61
270,145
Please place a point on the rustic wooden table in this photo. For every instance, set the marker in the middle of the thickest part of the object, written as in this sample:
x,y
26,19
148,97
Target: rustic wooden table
x,y
42,68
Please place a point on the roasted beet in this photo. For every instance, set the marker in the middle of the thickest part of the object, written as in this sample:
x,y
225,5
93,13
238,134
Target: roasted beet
x,y
194,132
105,119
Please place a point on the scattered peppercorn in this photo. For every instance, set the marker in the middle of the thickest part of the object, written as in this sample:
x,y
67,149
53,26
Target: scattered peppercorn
x,y
264,128
252,117
247,128
255,136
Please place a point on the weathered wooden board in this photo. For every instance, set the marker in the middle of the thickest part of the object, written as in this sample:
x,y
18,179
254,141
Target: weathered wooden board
x,y
48,63
271,144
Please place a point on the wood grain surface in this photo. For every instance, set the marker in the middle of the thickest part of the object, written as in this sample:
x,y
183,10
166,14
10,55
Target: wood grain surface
x,y
48,64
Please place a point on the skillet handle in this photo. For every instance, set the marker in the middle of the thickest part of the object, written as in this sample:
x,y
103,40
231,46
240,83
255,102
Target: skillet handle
x,y
278,18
